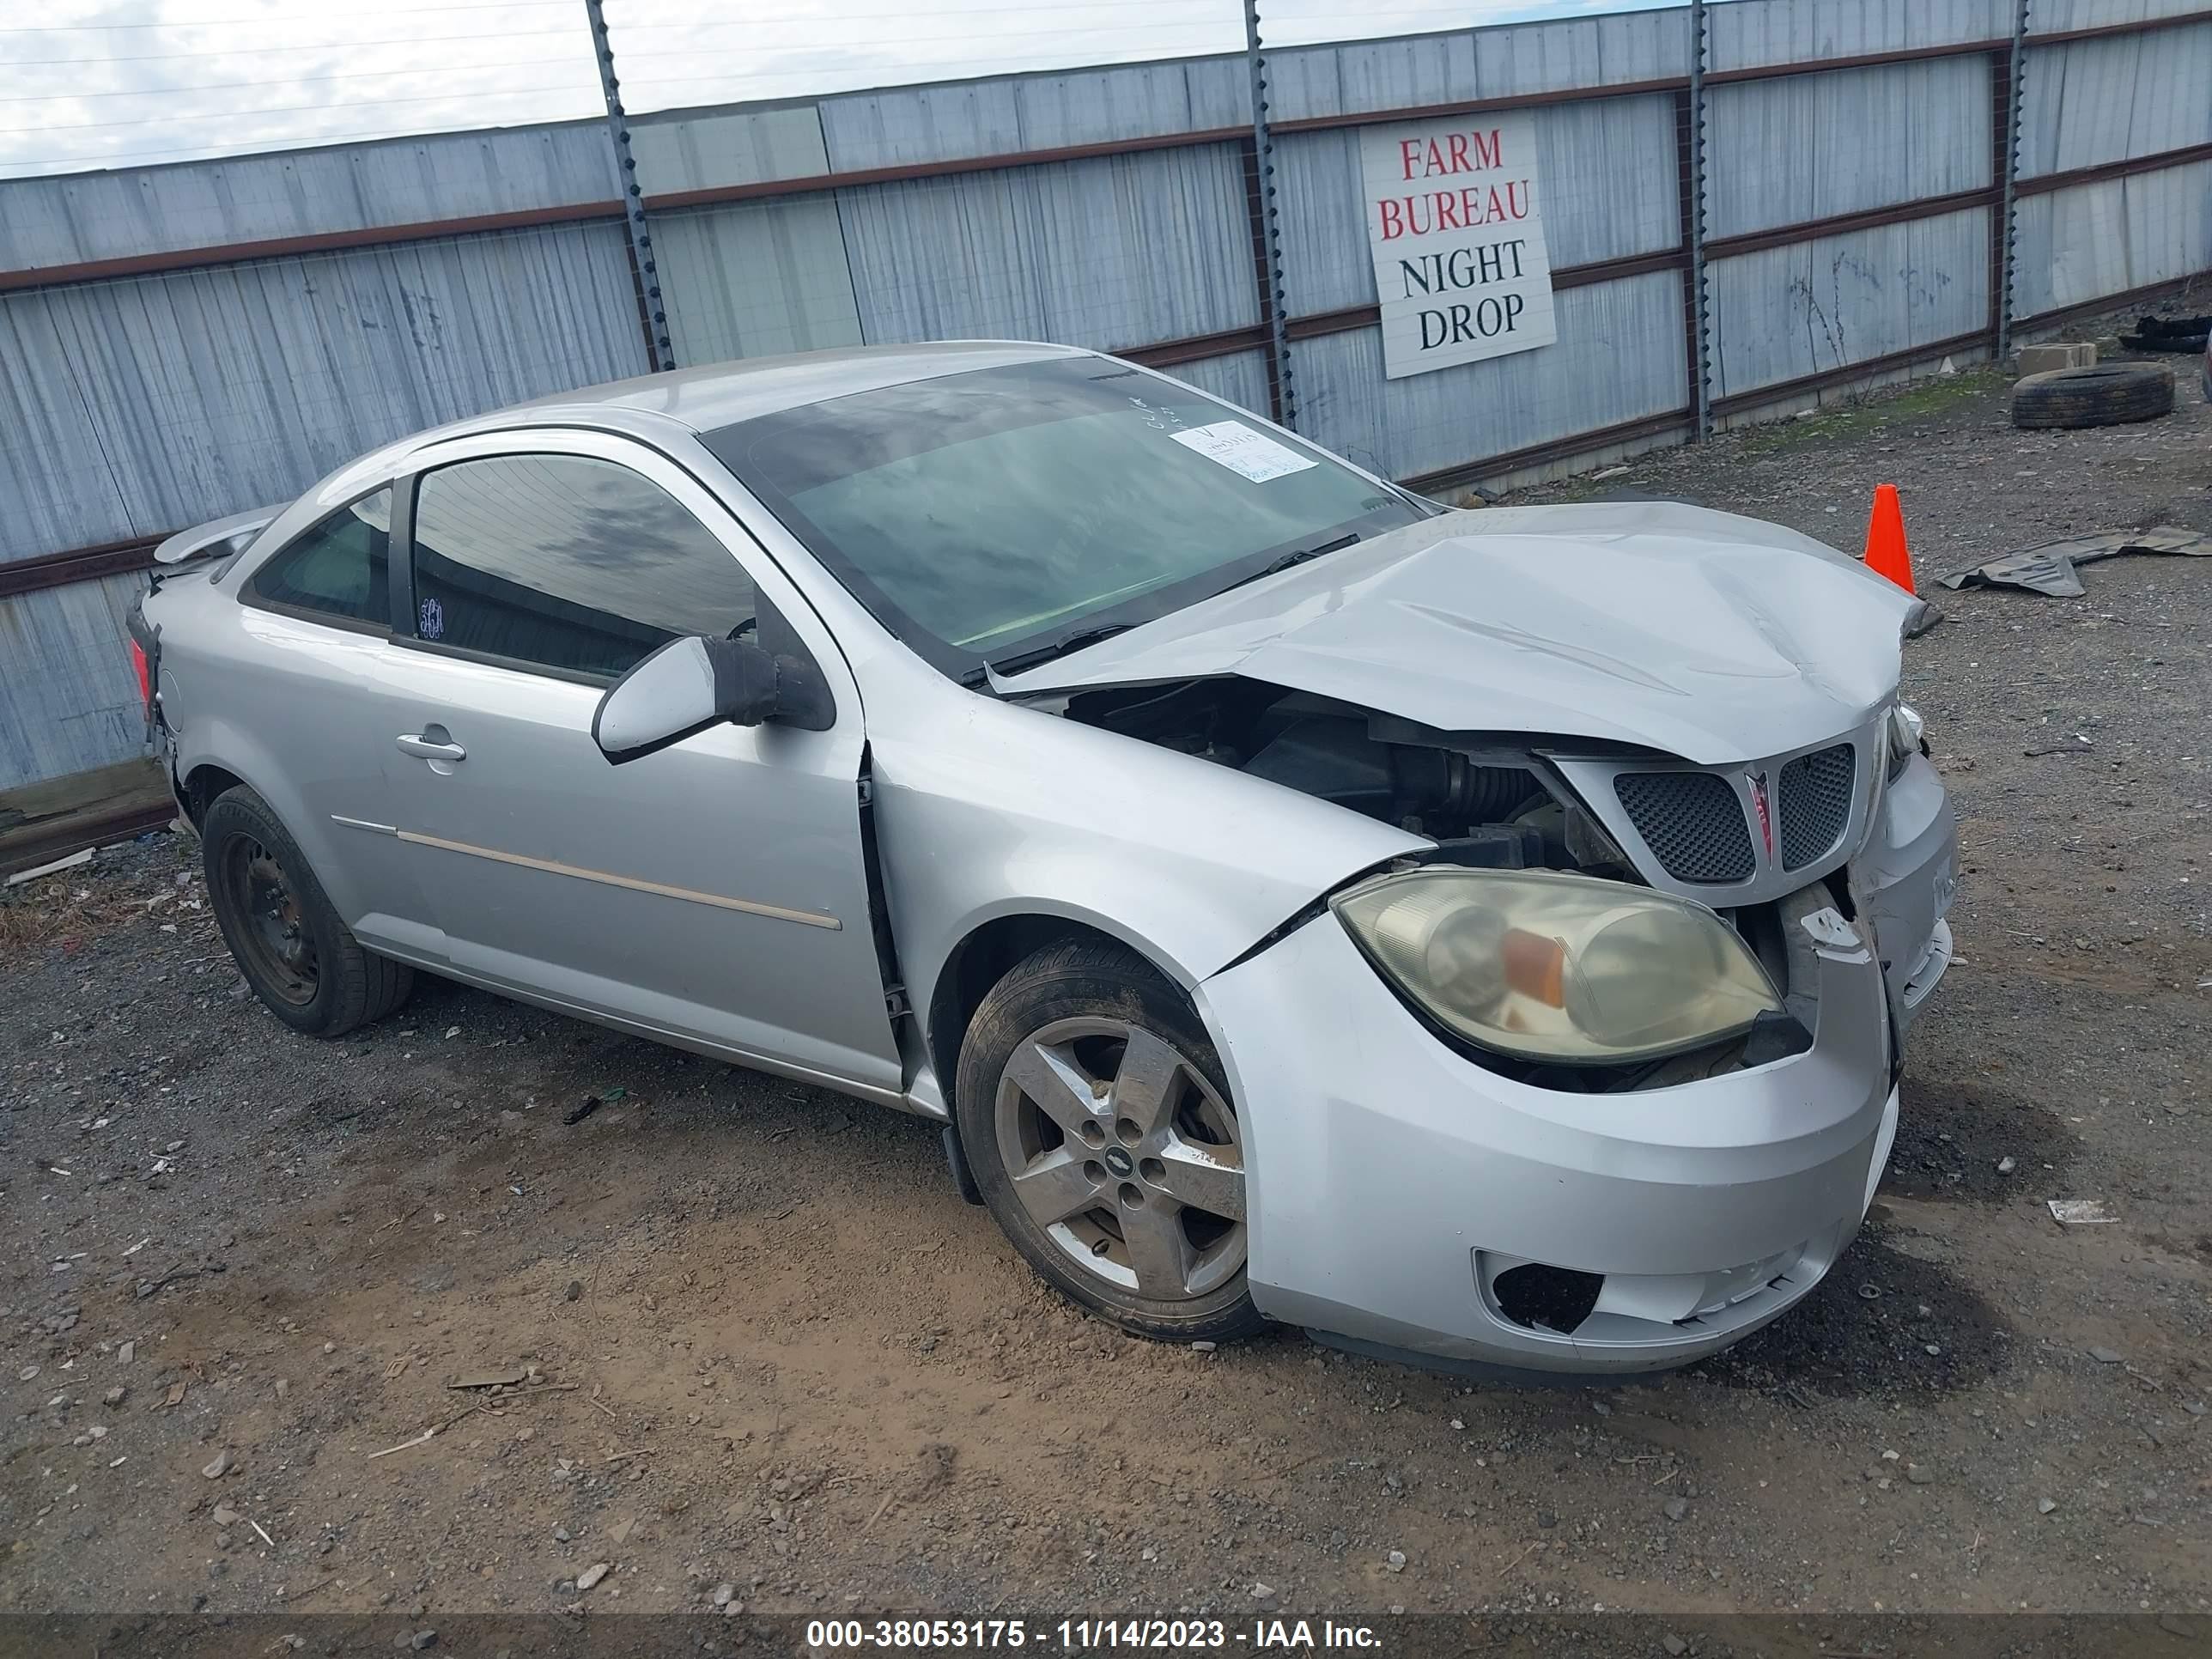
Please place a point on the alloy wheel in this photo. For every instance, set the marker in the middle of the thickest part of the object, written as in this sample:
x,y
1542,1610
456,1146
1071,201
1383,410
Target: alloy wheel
x,y
1127,1157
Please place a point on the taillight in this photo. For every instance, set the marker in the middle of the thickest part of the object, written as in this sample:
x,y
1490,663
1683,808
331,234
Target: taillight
x,y
145,680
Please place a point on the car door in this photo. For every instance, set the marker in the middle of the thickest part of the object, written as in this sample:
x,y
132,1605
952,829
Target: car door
x,y
716,891
317,694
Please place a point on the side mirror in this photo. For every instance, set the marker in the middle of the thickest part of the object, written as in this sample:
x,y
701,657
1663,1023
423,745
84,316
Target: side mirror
x,y
683,688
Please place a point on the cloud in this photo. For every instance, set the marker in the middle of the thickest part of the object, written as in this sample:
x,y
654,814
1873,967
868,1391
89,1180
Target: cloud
x,y
131,82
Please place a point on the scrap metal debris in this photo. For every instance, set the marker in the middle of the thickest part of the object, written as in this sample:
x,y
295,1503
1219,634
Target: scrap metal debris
x,y
2082,1212
2185,335
69,863
2052,568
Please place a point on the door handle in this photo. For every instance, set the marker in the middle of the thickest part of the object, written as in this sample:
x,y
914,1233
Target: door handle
x,y
423,748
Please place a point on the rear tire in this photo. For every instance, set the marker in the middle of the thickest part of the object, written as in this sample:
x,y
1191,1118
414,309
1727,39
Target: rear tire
x,y
1095,1116
2104,394
299,957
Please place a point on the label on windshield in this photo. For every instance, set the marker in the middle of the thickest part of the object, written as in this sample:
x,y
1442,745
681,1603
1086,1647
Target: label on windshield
x,y
1241,450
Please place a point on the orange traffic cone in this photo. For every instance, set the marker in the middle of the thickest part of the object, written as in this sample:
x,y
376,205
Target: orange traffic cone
x,y
1886,554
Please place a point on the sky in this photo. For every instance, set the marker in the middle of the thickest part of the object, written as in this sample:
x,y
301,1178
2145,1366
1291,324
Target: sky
x,y
104,83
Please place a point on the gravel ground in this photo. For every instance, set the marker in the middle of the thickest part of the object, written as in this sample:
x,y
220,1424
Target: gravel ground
x,y
767,1356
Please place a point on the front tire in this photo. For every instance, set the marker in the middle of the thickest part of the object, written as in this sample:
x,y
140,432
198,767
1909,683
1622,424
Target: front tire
x,y
1096,1118
300,959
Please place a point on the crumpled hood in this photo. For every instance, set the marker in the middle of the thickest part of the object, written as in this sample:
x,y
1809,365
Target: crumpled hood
x,y
1707,635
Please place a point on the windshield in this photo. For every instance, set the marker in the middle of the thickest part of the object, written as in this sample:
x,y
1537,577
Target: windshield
x,y
980,516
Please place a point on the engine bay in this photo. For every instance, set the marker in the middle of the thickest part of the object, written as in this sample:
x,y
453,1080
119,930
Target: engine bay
x,y
1489,806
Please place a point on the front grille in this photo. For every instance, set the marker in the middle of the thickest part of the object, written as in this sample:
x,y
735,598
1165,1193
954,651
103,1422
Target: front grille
x,y
1692,821
1815,803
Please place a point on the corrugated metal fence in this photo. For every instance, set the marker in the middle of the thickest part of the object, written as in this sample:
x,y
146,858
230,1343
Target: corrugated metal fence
x,y
178,343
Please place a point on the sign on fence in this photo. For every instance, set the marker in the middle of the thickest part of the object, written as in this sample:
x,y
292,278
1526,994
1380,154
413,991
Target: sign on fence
x,y
1457,234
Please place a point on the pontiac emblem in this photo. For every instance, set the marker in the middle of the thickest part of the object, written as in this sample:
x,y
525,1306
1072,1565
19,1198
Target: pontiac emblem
x,y
1765,818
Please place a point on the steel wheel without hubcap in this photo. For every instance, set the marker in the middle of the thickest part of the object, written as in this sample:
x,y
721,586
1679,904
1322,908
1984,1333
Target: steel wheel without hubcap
x,y
275,933
1126,1157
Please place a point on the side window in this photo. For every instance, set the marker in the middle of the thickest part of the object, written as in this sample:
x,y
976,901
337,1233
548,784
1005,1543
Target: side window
x,y
575,564
338,568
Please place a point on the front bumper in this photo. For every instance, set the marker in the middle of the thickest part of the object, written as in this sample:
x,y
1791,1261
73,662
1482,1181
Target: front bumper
x,y
1903,880
1392,1185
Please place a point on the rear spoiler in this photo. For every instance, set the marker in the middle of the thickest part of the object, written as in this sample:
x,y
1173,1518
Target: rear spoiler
x,y
216,538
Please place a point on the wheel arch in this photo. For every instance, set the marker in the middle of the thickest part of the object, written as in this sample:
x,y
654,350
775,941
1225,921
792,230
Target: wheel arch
x,y
198,788
214,753
992,948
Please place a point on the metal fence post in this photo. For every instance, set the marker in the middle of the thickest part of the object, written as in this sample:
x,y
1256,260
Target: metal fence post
x,y
1268,228
1694,232
2008,229
654,312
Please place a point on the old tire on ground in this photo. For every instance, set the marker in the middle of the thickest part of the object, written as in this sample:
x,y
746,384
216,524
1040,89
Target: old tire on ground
x,y
1094,1114
302,961
2105,394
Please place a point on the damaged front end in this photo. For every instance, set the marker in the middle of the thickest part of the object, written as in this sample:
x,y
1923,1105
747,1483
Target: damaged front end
x,y
1596,1071
1658,1122
1647,693
1848,823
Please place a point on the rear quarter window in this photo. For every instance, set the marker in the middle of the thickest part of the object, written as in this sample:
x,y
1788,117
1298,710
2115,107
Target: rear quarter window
x,y
339,568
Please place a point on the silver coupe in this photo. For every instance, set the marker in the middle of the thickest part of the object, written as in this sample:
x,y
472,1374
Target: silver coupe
x,y
1487,937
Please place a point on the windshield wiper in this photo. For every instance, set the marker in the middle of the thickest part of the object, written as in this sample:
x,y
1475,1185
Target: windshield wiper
x,y
1296,555
1073,639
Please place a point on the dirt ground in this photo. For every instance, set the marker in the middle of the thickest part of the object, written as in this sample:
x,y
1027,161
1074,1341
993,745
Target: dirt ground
x,y
762,1343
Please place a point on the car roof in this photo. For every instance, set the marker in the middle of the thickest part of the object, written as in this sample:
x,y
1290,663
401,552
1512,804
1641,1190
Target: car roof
x,y
720,394
705,398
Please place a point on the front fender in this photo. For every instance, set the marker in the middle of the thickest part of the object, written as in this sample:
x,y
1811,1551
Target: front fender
x,y
986,810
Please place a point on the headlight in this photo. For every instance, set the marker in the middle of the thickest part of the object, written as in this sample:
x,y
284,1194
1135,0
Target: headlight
x,y
1558,968
1908,736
